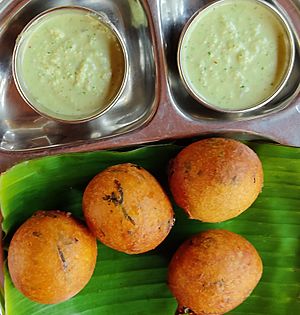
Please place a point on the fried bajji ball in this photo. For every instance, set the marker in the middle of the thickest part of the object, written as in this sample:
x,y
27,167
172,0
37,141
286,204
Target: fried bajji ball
x,y
215,179
213,272
51,257
127,210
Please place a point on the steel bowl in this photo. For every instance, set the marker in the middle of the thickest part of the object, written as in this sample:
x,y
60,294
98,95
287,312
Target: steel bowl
x,y
25,93
285,77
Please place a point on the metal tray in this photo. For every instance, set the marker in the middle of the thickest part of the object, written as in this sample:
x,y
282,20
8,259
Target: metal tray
x,y
155,105
22,129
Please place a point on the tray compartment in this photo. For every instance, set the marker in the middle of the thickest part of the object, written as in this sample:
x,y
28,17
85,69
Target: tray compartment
x,y
22,129
173,16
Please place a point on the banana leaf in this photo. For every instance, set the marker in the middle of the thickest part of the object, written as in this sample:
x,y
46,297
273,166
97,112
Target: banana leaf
x,y
136,285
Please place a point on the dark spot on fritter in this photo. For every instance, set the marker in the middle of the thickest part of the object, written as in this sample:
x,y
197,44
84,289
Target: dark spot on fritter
x,y
42,214
220,284
116,198
120,191
185,311
234,179
62,258
103,234
205,242
221,154
187,166
111,198
50,214
136,166
171,222
200,172
69,240
37,234
127,216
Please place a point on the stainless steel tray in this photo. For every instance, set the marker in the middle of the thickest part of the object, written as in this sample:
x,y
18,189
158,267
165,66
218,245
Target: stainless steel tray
x,y
22,129
155,105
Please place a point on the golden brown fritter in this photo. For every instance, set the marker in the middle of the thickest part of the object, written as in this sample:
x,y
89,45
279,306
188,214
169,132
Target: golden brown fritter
x,y
213,272
215,179
126,209
51,257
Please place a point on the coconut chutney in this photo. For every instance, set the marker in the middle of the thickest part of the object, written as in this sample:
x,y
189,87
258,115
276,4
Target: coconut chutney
x,y
70,65
235,54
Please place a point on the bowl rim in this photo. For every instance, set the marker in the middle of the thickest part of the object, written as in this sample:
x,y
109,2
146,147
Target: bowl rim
x,y
102,17
285,77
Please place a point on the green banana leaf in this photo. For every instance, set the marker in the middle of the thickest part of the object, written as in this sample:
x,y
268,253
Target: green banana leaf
x,y
136,285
